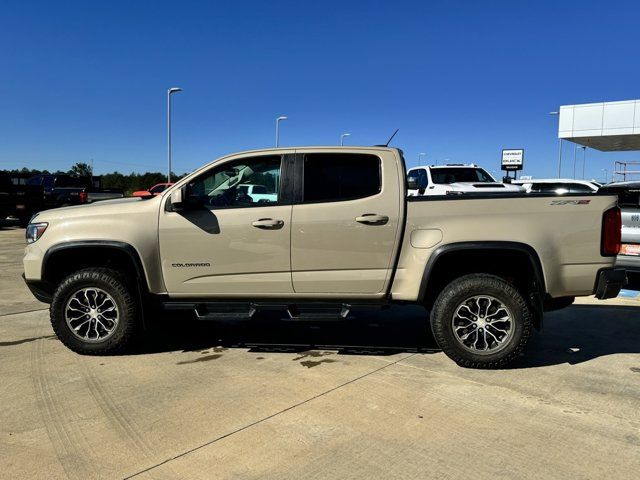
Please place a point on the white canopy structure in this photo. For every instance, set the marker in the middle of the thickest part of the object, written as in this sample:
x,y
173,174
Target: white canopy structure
x,y
605,126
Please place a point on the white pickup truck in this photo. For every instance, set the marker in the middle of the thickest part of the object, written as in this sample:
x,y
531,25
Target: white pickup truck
x,y
456,179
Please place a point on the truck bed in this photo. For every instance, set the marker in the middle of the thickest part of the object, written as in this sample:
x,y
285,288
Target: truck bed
x,y
568,256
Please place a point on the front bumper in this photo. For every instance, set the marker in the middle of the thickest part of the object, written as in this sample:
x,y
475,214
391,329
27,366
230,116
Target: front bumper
x,y
609,283
39,289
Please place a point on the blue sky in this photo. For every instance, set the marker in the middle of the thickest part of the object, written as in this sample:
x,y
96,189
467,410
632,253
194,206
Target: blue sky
x,y
461,79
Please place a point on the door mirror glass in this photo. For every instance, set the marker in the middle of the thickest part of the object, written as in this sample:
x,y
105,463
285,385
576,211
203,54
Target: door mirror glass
x,y
412,183
177,200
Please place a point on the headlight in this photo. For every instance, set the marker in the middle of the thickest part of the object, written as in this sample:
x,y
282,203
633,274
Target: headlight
x,y
35,231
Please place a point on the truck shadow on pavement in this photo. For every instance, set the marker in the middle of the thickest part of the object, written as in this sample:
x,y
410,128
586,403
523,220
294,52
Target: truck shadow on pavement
x,y
384,332
571,336
584,332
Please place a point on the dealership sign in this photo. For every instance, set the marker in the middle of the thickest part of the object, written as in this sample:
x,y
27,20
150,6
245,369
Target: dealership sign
x,y
512,159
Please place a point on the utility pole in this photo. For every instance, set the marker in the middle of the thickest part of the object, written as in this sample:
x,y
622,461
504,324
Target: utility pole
x,y
278,120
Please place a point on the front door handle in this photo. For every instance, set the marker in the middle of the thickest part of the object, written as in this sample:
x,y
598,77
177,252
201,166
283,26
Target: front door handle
x,y
372,219
268,223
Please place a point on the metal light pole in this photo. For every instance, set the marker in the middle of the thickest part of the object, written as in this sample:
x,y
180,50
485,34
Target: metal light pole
x,y
420,155
342,138
584,159
574,160
278,129
559,148
169,92
606,174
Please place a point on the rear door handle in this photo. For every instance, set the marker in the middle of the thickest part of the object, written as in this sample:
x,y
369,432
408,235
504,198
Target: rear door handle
x,y
268,223
372,218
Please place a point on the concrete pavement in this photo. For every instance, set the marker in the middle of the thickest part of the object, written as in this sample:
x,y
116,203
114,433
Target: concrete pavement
x,y
371,398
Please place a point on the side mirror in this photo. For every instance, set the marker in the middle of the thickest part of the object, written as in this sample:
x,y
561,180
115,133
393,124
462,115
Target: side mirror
x,y
412,183
177,200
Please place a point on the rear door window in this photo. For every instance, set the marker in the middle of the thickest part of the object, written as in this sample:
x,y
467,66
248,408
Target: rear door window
x,y
335,177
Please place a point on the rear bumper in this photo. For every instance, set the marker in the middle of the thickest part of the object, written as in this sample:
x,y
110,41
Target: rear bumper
x,y
39,289
609,283
629,262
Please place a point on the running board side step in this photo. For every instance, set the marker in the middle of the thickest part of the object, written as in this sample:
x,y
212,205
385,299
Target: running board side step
x,y
245,310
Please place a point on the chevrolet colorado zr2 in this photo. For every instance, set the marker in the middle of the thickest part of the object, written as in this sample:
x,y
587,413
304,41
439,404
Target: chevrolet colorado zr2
x,y
335,230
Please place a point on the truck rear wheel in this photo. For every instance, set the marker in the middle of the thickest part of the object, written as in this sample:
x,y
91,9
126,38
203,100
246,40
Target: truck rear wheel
x,y
481,321
95,311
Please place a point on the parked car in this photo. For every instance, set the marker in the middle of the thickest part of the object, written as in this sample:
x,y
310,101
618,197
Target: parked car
x,y
157,189
19,201
559,186
258,193
341,233
66,190
629,201
455,179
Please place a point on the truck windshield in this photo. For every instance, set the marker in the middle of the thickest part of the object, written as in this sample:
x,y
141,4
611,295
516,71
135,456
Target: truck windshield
x,y
457,174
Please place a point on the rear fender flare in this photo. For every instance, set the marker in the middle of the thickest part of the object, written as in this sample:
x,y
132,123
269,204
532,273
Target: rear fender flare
x,y
439,252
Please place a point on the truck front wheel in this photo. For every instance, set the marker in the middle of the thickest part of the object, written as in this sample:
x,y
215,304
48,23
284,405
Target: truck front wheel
x,y
481,321
94,311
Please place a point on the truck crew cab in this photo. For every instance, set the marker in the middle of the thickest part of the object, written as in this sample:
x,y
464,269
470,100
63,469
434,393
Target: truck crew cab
x,y
338,231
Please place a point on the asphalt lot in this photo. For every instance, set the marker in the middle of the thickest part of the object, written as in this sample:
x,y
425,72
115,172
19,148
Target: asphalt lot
x,y
368,398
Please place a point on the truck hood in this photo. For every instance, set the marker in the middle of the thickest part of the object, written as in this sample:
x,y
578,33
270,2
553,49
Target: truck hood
x,y
104,207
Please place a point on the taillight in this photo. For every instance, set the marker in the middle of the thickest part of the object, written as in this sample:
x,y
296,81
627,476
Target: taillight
x,y
83,197
611,233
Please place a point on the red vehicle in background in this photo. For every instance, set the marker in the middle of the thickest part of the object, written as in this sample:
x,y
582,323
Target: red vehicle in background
x,y
157,189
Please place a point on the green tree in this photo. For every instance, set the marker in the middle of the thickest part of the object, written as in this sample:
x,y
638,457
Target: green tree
x,y
80,169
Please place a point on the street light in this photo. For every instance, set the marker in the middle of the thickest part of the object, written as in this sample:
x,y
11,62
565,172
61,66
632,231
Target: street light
x,y
575,150
420,155
584,159
606,174
278,129
342,138
169,92
559,148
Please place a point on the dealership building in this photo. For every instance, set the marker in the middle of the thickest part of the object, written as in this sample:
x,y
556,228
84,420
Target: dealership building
x,y
607,127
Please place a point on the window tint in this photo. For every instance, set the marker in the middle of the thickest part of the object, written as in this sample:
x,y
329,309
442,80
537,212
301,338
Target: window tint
x,y
228,185
334,177
457,174
629,198
578,188
35,181
5,180
66,181
422,178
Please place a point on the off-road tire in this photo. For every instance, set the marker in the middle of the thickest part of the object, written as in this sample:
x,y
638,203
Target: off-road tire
x,y
122,292
481,284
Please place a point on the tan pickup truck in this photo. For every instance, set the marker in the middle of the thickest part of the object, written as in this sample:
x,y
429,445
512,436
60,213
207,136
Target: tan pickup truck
x,y
335,230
